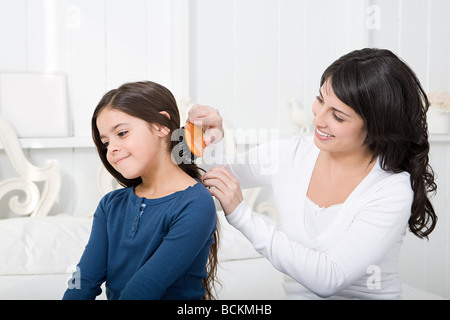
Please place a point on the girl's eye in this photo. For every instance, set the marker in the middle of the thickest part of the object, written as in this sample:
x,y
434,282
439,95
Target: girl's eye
x,y
337,118
122,133
105,145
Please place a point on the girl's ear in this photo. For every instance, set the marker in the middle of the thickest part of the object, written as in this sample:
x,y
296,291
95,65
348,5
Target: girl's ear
x,y
162,131
165,113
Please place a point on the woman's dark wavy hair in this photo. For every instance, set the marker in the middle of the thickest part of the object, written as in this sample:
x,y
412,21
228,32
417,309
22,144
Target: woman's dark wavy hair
x,y
387,94
145,100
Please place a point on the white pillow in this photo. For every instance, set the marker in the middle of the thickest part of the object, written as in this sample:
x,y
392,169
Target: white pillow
x,y
45,245
233,245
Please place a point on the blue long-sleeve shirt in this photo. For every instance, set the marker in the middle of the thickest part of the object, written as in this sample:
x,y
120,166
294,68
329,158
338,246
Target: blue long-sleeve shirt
x,y
147,248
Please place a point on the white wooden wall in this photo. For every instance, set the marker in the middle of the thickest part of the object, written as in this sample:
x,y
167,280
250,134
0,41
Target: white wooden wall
x,y
249,58
419,31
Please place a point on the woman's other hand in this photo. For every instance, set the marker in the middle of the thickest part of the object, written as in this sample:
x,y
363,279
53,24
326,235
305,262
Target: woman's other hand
x,y
210,120
225,187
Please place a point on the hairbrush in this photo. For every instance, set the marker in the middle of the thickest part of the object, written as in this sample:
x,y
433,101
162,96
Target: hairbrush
x,y
191,143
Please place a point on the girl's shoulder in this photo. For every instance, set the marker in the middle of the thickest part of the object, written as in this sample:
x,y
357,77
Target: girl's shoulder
x,y
196,194
117,193
112,202
116,196
194,206
193,197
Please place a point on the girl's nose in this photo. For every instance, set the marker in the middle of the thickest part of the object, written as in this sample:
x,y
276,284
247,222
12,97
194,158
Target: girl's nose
x,y
113,147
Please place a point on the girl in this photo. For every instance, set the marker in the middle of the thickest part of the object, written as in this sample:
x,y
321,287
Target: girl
x,y
346,195
151,239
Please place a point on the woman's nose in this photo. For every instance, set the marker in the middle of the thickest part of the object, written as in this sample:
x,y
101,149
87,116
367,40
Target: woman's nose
x,y
319,117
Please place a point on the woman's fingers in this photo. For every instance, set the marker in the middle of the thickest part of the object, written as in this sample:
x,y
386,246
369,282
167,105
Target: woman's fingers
x,y
222,179
225,186
210,121
212,135
218,175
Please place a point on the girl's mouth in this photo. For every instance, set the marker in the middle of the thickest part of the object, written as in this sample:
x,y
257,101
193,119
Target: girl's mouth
x,y
119,160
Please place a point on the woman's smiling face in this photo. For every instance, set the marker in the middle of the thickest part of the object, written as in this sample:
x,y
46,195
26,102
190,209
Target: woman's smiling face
x,y
338,127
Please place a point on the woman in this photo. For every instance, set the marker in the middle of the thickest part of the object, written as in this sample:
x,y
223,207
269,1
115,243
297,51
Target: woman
x,y
151,239
345,196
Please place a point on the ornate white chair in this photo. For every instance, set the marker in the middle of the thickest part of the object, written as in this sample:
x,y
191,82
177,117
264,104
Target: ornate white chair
x,y
36,202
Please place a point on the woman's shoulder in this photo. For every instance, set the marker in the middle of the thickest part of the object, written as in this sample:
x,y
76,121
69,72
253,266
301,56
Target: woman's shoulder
x,y
390,183
283,147
294,142
401,178
296,149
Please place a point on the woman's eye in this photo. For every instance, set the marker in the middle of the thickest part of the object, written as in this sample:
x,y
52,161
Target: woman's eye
x,y
105,144
122,133
319,99
337,118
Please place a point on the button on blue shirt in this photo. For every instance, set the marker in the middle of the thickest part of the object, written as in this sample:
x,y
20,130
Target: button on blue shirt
x,y
148,248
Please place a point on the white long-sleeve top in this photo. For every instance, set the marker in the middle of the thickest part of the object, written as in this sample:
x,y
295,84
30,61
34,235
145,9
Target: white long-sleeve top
x,y
356,256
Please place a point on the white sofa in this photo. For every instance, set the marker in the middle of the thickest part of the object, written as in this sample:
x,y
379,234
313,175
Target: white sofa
x,y
39,254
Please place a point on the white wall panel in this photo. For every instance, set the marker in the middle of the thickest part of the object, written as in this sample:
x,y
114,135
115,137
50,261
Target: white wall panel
x,y
159,42
320,43
439,45
215,56
126,46
181,48
48,39
438,248
351,25
414,24
291,52
87,77
13,54
386,33
256,63
419,31
426,263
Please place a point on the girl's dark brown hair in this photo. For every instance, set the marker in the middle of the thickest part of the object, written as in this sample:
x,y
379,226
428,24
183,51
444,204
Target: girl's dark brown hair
x,y
145,100
386,93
